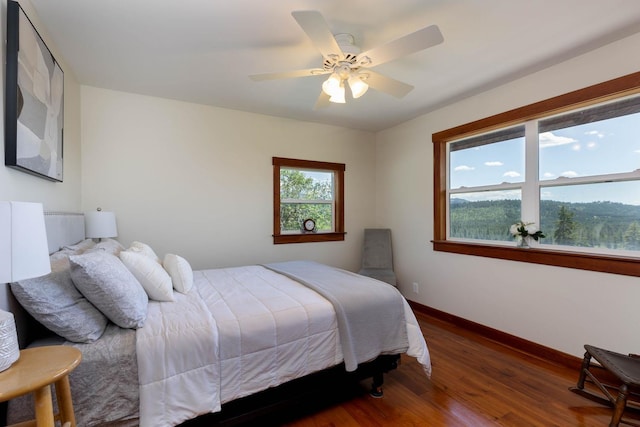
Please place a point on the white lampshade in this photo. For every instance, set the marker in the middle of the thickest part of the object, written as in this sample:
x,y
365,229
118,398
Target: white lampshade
x,y
357,85
99,224
338,95
331,86
24,251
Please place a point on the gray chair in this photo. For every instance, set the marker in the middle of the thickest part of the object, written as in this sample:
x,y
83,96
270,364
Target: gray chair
x,y
377,255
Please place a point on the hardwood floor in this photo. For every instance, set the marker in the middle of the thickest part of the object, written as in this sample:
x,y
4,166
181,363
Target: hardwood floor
x,y
475,382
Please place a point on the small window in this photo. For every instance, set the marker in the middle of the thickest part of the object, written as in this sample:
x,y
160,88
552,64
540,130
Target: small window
x,y
307,190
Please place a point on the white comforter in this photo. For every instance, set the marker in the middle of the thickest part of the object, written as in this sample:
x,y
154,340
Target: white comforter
x,y
238,331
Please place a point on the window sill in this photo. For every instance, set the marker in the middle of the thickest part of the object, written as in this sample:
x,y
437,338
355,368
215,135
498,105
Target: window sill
x,y
307,238
628,266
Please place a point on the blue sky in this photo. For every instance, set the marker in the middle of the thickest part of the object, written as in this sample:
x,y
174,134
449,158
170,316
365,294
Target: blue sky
x,y
598,148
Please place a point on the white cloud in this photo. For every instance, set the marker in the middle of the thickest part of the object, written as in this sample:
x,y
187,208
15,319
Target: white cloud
x,y
595,133
548,139
546,195
463,168
548,175
511,174
576,147
493,163
490,195
569,174
592,145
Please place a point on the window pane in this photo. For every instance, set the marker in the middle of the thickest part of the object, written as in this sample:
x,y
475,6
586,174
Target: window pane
x,y
298,184
292,215
484,215
591,142
487,159
603,215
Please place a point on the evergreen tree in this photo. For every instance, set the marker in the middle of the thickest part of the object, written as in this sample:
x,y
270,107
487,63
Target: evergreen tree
x,y
565,232
632,236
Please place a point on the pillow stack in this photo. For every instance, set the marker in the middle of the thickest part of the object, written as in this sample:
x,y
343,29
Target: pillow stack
x,y
145,265
158,278
91,284
55,302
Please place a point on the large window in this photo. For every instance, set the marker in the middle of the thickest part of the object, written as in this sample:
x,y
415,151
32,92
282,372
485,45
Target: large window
x,y
570,164
307,193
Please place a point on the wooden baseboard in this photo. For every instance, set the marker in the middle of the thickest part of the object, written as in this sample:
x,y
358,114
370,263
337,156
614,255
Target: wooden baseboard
x,y
519,344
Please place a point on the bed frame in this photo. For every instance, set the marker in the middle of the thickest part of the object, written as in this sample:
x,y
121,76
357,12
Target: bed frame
x,y
299,397
65,228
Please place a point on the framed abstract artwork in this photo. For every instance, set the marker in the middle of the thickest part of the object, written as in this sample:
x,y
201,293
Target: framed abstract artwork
x,y
34,110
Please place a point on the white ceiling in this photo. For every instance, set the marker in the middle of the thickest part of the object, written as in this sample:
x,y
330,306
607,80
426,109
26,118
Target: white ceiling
x,y
202,51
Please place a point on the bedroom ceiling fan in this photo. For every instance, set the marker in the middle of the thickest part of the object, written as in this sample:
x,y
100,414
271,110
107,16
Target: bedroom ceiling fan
x,y
347,66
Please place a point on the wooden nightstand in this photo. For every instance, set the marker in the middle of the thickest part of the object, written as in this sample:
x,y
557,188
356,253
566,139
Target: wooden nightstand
x,y
34,372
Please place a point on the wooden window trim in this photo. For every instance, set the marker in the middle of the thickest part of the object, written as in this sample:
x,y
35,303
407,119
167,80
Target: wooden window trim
x,y
338,170
609,90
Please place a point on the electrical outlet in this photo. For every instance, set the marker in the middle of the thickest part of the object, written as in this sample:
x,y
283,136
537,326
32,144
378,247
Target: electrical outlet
x,y
416,288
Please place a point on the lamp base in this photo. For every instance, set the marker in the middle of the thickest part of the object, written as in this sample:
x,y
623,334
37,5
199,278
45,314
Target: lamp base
x,y
9,349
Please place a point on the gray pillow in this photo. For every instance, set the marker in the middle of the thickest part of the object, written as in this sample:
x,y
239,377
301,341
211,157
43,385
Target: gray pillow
x,y
104,280
55,302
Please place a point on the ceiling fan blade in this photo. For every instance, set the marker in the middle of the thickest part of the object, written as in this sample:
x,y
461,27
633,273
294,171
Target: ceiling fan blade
x,y
323,101
387,84
289,74
313,23
411,43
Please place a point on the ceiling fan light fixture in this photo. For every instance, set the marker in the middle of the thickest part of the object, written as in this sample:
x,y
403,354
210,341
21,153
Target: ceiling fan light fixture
x,y
357,85
344,62
338,96
331,86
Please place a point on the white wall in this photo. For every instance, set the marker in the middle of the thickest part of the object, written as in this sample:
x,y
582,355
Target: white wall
x,y
197,180
20,186
557,307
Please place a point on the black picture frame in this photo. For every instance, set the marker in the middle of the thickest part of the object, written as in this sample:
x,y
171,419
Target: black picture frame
x,y
34,101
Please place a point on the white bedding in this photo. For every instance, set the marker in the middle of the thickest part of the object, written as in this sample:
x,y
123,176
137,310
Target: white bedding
x,y
238,331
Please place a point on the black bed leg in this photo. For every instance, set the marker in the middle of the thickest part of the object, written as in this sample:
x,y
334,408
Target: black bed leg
x,y
376,387
381,365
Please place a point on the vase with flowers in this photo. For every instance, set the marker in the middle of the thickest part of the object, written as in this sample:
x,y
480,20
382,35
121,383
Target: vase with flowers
x,y
524,231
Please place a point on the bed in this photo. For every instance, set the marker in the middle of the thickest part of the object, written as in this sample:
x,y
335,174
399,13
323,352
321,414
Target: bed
x,y
220,337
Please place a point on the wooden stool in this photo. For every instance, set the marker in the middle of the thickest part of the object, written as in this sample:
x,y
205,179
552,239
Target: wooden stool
x,y
34,372
625,368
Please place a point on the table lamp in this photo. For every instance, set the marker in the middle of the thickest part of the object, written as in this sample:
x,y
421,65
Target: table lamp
x,y
24,254
99,224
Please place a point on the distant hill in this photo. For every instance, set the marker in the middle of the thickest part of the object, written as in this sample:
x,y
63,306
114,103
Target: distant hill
x,y
597,224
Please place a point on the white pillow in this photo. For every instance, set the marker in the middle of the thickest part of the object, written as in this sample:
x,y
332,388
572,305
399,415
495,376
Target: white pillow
x,y
153,278
180,272
144,249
